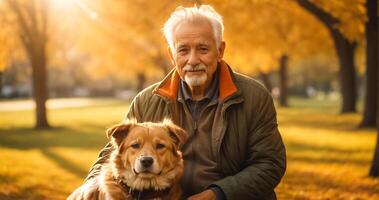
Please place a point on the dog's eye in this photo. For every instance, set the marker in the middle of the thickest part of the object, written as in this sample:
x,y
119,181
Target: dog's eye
x,y
160,146
135,146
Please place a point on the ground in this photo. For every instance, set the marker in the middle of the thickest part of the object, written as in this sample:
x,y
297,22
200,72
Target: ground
x,y
328,158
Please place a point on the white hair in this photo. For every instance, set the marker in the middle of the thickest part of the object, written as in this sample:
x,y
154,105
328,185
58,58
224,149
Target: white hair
x,y
191,14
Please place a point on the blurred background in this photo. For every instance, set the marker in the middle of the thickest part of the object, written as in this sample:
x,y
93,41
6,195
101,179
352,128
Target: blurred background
x,y
69,69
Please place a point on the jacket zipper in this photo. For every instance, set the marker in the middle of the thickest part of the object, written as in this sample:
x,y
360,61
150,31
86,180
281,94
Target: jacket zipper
x,y
189,176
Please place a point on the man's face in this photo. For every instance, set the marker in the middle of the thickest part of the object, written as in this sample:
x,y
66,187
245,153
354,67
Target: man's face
x,y
196,54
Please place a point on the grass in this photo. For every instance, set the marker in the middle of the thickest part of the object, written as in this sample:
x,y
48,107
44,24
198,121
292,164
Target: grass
x,y
49,164
328,158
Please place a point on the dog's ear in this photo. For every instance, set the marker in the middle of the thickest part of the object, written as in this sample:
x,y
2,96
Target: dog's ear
x,y
118,132
179,135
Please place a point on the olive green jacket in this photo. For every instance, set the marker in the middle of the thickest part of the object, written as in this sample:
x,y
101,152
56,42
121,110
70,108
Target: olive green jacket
x,y
249,149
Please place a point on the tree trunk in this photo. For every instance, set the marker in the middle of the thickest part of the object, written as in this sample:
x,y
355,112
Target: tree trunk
x,y
1,83
283,71
374,170
371,97
266,80
33,36
38,62
141,78
345,52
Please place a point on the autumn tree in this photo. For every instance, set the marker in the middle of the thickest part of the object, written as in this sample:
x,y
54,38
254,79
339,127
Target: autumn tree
x,y
137,47
31,18
271,37
371,94
3,60
345,43
283,74
372,65
5,47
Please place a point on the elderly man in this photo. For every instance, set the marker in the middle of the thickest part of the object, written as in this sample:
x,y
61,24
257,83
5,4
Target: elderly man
x,y
235,150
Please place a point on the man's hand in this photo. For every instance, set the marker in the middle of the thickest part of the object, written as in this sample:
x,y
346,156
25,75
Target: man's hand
x,y
205,195
88,191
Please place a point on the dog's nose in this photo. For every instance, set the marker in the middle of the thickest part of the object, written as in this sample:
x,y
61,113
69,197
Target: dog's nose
x,y
146,161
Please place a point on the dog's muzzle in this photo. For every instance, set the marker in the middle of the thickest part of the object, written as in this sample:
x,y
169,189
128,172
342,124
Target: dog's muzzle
x,y
145,165
146,161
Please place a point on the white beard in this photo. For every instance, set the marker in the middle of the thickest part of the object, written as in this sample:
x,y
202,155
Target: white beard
x,y
195,80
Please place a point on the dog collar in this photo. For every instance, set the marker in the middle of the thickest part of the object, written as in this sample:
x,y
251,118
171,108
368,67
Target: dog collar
x,y
141,194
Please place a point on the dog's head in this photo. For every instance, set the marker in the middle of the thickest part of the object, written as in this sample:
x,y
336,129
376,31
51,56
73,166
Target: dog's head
x,y
148,149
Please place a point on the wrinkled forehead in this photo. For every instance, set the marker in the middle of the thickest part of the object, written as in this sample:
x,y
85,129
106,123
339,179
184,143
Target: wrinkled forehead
x,y
146,131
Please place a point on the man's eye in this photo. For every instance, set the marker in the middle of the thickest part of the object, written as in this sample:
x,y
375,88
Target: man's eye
x,y
182,50
135,146
160,146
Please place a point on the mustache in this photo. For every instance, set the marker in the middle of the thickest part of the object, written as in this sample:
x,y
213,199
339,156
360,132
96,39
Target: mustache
x,y
192,68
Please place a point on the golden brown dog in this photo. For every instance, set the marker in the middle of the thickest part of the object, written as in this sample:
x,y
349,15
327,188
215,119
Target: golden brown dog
x,y
145,164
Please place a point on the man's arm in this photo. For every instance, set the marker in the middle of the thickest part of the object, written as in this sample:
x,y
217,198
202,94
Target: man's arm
x,y
101,159
266,161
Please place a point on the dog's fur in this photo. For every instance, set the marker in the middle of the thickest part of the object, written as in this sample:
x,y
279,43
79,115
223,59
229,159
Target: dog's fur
x,y
125,175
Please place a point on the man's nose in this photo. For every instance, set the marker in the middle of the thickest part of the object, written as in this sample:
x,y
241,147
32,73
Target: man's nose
x,y
193,58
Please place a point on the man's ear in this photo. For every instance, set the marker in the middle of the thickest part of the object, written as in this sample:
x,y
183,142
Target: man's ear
x,y
118,132
171,56
179,135
221,50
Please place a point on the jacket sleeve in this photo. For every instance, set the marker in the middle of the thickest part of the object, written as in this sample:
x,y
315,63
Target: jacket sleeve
x,y
106,151
265,161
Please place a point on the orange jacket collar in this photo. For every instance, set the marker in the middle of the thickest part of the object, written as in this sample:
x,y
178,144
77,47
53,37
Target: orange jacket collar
x,y
169,86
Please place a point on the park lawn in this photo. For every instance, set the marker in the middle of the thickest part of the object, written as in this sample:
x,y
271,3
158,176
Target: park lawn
x,y
49,164
328,158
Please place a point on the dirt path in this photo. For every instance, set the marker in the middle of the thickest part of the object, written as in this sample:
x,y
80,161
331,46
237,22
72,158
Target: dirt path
x,y
17,105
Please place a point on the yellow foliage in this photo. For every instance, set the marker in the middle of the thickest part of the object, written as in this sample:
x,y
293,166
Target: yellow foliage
x,y
120,39
351,14
265,30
